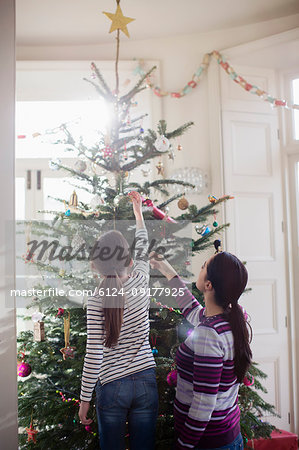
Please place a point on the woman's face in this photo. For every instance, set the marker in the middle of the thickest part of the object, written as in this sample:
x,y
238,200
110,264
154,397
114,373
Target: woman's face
x,y
203,277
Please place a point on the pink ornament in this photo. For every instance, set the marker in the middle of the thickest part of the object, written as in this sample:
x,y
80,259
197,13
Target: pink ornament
x,y
158,214
23,369
248,382
172,377
107,152
88,428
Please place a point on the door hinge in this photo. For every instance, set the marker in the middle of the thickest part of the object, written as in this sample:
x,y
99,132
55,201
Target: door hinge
x,y
289,417
278,134
28,179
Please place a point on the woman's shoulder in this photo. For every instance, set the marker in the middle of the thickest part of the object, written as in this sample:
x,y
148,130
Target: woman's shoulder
x,y
95,302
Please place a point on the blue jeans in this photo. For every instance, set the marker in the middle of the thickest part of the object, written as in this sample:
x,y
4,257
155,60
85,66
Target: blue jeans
x,y
134,399
237,444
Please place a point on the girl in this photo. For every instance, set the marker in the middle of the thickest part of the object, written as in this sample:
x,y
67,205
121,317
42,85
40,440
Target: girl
x,y
213,360
119,362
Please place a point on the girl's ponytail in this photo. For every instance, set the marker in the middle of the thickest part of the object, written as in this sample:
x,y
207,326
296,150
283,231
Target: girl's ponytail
x,y
111,287
240,329
228,276
113,307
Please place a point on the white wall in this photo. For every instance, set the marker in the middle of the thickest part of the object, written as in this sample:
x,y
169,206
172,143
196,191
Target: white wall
x,y
8,370
179,57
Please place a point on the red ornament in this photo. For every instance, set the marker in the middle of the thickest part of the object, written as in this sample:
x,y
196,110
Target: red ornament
x,y
23,369
68,352
172,377
31,433
158,214
60,312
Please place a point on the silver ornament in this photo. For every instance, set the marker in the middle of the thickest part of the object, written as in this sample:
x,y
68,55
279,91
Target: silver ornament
x,y
162,144
192,175
77,241
53,164
80,165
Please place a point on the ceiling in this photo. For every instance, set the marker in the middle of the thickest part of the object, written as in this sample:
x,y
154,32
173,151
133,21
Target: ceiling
x,y
81,22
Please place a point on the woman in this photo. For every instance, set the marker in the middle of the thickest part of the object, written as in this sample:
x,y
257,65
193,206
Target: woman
x,y
213,360
119,363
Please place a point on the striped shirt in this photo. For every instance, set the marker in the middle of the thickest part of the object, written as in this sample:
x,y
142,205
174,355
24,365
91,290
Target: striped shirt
x,y
205,409
133,352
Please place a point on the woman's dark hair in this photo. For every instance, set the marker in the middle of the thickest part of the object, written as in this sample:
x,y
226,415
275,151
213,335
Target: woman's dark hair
x,y
229,276
112,260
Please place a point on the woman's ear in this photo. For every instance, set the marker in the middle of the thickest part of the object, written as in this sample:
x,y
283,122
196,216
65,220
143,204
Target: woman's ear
x,y
208,285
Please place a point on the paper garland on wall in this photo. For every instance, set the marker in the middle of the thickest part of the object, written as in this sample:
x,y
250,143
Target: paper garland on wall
x,y
193,83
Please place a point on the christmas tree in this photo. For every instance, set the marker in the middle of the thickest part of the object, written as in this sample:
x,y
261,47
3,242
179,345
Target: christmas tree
x,y
51,357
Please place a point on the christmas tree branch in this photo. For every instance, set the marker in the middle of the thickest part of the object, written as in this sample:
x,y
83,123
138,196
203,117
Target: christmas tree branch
x,y
135,90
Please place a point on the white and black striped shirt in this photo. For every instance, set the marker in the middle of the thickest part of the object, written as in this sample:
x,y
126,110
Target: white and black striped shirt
x,y
133,351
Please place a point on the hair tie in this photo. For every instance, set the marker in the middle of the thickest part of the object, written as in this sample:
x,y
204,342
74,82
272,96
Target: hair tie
x,y
217,245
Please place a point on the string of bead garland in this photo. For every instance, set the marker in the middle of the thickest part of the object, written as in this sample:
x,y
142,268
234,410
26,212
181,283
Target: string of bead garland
x,y
74,401
165,306
194,82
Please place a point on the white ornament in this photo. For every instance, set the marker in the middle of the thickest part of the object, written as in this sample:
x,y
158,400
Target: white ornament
x,y
53,164
162,144
80,165
146,172
77,241
37,316
96,201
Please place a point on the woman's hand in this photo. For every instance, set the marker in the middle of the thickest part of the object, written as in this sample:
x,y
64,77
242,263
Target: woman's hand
x,y
159,262
137,203
83,410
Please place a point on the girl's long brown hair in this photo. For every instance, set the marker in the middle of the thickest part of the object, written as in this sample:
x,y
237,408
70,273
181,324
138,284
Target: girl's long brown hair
x,y
229,276
112,265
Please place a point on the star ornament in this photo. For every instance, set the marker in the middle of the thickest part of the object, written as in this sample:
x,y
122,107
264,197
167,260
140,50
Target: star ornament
x,y
31,434
119,21
68,352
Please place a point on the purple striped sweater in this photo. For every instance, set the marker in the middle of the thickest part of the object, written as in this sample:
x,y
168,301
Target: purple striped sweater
x,y
206,408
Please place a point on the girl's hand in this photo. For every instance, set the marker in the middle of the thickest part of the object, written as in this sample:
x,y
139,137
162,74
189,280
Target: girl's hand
x,y
160,263
83,410
137,203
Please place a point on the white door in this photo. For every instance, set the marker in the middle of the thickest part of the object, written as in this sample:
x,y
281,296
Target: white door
x,y
252,174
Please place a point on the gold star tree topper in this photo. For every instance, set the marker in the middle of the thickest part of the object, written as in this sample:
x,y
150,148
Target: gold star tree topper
x,y
119,21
